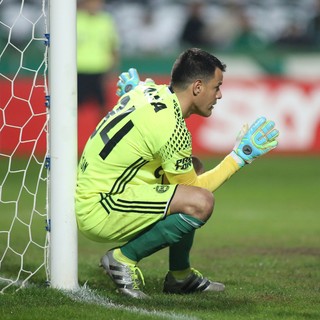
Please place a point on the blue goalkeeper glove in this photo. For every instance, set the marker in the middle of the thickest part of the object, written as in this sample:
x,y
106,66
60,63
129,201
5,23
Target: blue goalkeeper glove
x,y
255,141
129,80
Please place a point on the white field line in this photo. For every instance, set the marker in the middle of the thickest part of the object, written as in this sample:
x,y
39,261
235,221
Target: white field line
x,y
84,294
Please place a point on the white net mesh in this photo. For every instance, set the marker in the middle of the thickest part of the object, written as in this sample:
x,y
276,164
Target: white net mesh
x,y
23,141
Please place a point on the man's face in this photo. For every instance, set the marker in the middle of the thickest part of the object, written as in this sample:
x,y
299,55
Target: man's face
x,y
207,94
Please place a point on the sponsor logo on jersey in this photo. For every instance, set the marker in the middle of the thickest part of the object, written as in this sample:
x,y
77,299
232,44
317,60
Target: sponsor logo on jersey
x,y
183,164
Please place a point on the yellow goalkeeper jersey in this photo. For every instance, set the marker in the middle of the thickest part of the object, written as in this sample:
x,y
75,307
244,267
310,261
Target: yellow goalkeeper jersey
x,y
143,136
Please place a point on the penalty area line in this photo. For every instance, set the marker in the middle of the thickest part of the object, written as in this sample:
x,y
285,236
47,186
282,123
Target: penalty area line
x,y
85,294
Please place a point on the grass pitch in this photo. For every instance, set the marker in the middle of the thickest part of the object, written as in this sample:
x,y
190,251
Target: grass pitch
x,y
263,242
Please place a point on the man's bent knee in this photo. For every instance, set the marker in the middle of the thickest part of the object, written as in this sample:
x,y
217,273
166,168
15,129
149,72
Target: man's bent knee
x,y
193,201
205,205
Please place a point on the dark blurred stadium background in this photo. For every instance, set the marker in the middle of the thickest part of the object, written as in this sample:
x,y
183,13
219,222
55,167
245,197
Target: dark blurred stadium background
x,y
271,48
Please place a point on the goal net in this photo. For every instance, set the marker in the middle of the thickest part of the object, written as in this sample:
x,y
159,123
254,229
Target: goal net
x,y
37,162
23,146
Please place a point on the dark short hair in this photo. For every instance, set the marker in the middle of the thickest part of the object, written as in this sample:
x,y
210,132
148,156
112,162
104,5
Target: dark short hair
x,y
194,64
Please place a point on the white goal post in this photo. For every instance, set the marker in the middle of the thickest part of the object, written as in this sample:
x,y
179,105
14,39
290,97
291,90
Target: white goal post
x,y
38,144
63,143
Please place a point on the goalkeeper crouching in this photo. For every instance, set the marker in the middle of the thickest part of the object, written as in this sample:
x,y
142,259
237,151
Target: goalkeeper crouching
x,y
138,183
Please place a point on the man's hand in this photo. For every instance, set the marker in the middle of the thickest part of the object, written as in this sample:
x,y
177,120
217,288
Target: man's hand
x,y
255,141
129,80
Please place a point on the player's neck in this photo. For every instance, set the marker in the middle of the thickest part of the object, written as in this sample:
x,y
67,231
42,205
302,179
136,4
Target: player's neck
x,y
186,103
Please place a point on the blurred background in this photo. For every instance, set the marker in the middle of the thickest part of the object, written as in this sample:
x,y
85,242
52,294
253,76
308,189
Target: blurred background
x,y
272,52
271,48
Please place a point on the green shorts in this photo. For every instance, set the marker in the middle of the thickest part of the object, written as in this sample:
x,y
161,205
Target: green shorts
x,y
120,217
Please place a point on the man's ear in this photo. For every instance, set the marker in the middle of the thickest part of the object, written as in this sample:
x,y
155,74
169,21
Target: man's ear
x,y
197,87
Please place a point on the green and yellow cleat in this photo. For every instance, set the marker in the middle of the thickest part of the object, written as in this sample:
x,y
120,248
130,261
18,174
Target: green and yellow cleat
x,y
126,277
194,282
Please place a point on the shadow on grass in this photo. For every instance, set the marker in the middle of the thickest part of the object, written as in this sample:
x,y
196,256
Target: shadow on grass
x,y
205,302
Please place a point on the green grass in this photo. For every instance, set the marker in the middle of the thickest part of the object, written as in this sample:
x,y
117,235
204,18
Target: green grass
x,y
263,242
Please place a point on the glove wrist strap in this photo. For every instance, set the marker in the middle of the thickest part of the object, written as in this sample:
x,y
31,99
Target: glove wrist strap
x,y
237,159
